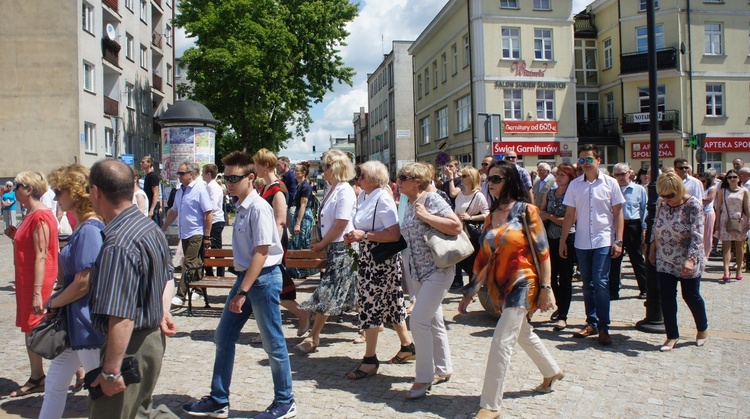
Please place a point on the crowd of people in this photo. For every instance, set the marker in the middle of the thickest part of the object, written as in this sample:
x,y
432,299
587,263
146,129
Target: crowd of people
x,y
531,232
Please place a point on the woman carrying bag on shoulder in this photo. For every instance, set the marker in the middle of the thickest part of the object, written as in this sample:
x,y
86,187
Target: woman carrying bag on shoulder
x,y
472,209
732,207
514,263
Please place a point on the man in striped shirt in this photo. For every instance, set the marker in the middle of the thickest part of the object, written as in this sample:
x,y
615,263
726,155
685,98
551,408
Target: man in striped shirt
x,y
131,288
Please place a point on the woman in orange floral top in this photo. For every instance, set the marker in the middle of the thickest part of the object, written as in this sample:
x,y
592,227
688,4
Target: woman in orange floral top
x,y
505,264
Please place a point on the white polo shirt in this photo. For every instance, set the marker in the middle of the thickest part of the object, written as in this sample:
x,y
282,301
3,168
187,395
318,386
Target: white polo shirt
x,y
338,205
255,225
217,199
694,187
593,202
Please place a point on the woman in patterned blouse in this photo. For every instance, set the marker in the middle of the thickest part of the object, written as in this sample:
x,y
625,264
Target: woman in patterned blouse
x,y
514,263
677,252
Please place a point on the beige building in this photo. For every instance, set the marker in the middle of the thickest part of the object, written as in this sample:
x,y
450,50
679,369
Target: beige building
x,y
703,78
509,62
82,80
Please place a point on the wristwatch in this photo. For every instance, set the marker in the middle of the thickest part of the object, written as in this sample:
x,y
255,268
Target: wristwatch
x,y
111,378
365,237
618,242
242,292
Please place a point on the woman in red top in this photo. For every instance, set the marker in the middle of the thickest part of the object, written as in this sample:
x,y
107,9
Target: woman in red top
x,y
35,250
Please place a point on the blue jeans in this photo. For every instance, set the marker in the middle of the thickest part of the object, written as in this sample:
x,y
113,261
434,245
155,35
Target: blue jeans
x,y
594,267
263,300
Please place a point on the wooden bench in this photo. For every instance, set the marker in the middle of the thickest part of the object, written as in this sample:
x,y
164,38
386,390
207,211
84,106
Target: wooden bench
x,y
306,259
212,258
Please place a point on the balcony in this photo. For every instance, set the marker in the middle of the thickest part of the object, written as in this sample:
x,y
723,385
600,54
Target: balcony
x,y
111,51
158,3
157,83
638,62
640,122
111,106
112,4
156,39
598,128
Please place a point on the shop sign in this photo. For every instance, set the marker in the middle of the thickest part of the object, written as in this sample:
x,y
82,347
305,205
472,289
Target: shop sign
x,y
642,117
717,144
530,127
526,148
642,150
519,68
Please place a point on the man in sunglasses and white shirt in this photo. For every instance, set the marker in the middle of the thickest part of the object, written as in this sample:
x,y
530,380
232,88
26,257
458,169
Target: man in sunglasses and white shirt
x,y
594,203
693,186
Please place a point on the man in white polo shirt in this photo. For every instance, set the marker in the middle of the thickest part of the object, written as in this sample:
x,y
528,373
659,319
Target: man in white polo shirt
x,y
693,186
594,203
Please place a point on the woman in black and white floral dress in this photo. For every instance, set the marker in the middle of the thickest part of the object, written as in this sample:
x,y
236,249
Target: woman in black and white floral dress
x,y
381,298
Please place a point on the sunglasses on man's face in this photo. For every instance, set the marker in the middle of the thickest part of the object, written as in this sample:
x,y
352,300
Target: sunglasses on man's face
x,y
485,164
181,173
588,160
682,168
511,157
234,178
495,179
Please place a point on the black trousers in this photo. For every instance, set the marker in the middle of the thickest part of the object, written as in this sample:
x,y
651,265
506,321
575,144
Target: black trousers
x,y
632,243
216,230
562,275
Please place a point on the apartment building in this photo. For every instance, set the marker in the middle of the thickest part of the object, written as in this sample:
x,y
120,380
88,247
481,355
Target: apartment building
x,y
390,125
83,80
508,62
703,79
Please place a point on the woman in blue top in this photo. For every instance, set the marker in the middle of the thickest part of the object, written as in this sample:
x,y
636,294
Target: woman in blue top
x,y
9,205
76,260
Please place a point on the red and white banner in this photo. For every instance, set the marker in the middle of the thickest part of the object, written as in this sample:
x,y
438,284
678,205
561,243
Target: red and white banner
x,y
642,150
528,148
717,144
530,127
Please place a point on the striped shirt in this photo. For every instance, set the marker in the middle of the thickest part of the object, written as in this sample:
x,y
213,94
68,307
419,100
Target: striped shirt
x,y
130,273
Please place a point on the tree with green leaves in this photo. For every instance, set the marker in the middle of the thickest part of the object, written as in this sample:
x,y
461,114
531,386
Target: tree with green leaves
x,y
260,65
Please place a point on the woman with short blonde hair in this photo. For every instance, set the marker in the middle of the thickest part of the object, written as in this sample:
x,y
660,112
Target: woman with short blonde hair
x,y
472,176
342,169
472,208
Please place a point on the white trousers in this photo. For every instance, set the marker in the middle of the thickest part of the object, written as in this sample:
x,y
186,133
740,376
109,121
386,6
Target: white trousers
x,y
61,372
511,328
428,328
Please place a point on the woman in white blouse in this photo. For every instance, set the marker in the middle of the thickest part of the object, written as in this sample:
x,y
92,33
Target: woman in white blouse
x,y
472,209
381,298
140,199
338,285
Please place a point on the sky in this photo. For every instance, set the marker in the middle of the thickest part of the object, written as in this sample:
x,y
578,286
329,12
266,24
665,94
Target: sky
x,y
371,34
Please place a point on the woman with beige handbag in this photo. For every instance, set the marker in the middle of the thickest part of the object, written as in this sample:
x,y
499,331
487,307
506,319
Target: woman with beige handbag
x,y
732,206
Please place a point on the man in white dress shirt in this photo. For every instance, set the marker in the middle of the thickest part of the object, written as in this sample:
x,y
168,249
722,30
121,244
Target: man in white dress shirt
x,y
693,186
216,193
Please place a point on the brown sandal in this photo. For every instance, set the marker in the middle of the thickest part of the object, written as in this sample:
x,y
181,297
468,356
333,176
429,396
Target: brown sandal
x,y
31,386
403,359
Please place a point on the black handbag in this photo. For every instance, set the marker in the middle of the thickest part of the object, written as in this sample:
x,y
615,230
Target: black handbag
x,y
50,338
384,251
473,228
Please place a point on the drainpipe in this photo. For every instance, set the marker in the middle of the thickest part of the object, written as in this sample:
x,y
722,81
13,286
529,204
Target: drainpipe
x,y
690,78
471,84
622,85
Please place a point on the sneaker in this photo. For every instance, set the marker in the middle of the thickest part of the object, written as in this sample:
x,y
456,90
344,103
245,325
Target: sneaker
x,y
207,407
177,301
279,411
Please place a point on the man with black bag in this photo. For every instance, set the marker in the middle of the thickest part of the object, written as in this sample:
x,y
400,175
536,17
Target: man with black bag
x,y
131,284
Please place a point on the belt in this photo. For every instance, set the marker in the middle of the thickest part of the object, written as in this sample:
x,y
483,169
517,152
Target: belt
x,y
633,221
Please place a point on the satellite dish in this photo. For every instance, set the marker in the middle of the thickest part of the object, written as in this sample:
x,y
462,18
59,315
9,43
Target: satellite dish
x,y
111,32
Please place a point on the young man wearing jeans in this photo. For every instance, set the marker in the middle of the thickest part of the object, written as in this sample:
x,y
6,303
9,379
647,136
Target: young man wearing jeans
x,y
594,203
257,255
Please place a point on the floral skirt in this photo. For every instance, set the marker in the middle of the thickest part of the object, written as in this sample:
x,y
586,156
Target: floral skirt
x,y
381,298
301,241
337,292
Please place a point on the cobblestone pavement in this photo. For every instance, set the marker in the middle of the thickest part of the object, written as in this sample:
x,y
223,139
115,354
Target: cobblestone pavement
x,y
629,379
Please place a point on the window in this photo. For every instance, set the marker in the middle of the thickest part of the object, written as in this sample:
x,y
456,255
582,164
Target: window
x,y
644,98
145,99
129,45
129,4
543,44
584,51
467,54
424,130
144,57
109,141
168,34
641,38
427,82
169,75
419,86
542,5
129,95
545,104
642,7
712,38
454,52
714,100
87,18
608,53
509,4
511,42
442,122
445,67
89,137
609,106
88,77
512,104
463,114
434,75
587,106
144,10
715,161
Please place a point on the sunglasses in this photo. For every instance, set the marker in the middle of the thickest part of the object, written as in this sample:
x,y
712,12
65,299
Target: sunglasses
x,y
620,174
328,165
181,173
733,177
495,179
464,175
404,178
485,164
682,168
588,160
510,157
57,192
19,186
234,178
669,196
